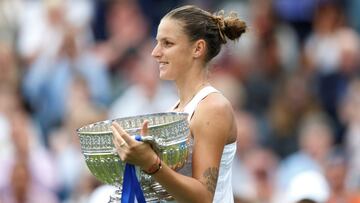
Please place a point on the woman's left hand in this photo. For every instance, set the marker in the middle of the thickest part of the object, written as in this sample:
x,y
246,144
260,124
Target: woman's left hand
x,y
132,151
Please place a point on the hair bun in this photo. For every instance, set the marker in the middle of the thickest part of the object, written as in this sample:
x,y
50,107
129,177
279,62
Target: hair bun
x,y
231,26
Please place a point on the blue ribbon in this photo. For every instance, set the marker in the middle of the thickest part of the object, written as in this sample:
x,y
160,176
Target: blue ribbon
x,y
131,186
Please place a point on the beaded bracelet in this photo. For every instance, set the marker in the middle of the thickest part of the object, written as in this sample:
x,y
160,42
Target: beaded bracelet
x,y
154,168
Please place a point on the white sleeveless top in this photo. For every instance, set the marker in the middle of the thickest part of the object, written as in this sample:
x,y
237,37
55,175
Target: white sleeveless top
x,y
223,193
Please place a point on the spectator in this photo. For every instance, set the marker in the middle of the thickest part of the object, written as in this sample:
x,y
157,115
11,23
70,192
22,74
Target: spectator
x,y
336,171
307,187
315,143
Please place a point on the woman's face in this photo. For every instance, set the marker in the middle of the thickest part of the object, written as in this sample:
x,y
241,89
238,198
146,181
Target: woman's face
x,y
173,50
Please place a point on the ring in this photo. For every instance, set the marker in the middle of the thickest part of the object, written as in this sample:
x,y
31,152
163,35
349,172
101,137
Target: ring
x,y
122,144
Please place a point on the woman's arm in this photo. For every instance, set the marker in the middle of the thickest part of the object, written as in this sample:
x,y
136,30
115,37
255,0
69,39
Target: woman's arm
x,y
210,126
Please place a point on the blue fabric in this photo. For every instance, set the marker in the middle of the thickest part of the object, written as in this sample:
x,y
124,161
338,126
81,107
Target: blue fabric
x,y
131,186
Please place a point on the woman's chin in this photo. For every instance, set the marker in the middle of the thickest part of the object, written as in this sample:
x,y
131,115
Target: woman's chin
x,y
163,76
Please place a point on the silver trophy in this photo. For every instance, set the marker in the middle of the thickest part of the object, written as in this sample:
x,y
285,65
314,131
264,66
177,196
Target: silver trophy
x,y
168,134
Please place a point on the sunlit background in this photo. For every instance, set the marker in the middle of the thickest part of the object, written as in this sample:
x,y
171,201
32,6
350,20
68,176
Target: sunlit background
x,y
293,79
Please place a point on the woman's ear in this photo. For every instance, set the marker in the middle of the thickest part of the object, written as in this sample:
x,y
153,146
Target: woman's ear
x,y
199,48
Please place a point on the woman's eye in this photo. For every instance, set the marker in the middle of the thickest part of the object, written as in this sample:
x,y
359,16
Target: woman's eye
x,y
167,43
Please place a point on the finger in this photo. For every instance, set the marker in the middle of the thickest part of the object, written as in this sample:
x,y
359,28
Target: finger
x,y
117,139
124,135
145,128
117,147
120,150
121,144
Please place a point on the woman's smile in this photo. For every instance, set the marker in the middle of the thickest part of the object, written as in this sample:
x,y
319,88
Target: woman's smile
x,y
162,64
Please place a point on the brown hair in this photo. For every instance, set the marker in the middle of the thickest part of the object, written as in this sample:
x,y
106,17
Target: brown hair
x,y
214,29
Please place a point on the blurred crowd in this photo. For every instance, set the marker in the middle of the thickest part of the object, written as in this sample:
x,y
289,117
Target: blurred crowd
x,y
293,80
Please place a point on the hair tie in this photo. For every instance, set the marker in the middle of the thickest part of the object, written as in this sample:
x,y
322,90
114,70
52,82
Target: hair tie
x,y
219,20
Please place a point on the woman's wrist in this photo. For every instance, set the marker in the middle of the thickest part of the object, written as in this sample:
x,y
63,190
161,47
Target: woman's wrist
x,y
154,168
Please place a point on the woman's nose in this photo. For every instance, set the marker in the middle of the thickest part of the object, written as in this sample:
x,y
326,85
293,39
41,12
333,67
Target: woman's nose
x,y
156,52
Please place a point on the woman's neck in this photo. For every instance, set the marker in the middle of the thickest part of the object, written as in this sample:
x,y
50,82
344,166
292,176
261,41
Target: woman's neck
x,y
190,85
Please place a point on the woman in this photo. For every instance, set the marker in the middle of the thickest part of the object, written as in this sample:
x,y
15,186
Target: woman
x,y
187,39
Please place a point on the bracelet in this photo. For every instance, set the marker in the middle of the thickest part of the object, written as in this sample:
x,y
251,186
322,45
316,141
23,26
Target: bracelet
x,y
154,168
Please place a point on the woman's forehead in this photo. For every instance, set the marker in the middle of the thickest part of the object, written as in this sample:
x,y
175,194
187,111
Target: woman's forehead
x,y
170,28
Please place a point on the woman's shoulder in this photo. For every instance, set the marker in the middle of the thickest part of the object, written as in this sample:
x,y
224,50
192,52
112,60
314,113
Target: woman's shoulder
x,y
215,101
216,106
214,118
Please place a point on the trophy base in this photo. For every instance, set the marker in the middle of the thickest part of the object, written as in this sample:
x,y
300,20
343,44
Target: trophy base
x,y
115,197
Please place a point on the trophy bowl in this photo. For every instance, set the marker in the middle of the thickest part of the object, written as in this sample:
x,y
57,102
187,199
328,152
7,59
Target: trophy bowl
x,y
168,133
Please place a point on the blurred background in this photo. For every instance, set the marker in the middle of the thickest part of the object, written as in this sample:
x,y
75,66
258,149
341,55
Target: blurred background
x,y
293,79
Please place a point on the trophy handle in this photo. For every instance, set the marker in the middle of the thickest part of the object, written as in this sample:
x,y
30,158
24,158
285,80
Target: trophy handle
x,y
151,140
148,139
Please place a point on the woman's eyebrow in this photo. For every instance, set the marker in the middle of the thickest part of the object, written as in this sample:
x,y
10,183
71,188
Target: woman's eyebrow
x,y
164,38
